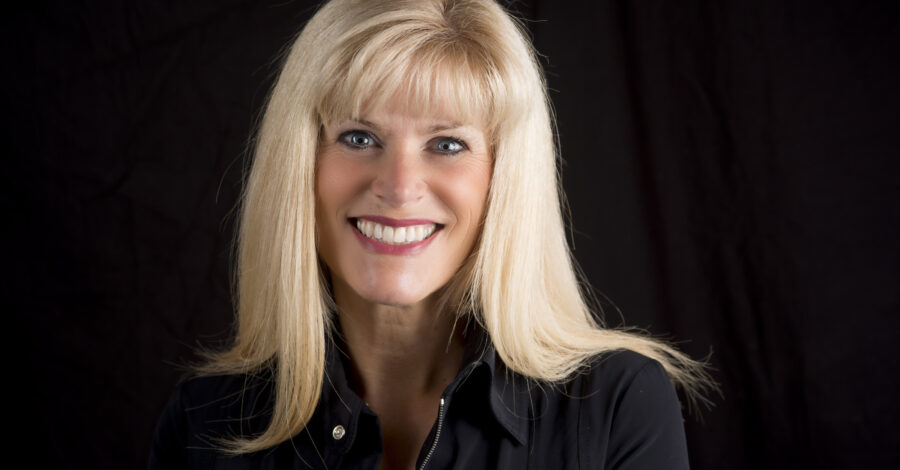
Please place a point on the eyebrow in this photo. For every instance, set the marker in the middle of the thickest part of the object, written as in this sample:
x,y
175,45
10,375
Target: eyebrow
x,y
431,130
367,123
443,127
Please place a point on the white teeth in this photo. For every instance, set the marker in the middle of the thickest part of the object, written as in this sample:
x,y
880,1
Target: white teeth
x,y
395,236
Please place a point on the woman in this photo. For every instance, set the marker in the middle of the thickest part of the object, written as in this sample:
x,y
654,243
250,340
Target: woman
x,y
406,296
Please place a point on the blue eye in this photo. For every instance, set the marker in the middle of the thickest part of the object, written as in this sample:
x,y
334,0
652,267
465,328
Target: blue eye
x,y
357,139
450,145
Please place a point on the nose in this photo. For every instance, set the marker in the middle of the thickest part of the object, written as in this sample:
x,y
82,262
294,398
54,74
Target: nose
x,y
400,177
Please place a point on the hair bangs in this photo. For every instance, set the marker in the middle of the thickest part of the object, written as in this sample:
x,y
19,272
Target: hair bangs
x,y
432,73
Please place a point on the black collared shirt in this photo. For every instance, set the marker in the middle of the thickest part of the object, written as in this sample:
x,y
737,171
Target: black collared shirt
x,y
622,413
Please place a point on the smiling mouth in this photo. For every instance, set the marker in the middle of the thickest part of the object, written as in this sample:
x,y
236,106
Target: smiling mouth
x,y
395,235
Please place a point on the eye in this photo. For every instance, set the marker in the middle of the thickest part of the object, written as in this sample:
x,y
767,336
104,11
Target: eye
x,y
357,139
449,145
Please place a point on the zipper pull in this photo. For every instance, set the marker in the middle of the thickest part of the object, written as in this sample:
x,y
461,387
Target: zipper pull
x,y
437,435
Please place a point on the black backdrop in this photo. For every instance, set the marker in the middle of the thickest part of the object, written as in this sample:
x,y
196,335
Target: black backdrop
x,y
731,171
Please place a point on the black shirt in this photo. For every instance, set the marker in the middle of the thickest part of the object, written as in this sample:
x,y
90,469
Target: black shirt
x,y
621,413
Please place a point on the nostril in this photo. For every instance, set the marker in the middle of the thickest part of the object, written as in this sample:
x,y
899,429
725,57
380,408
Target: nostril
x,y
399,194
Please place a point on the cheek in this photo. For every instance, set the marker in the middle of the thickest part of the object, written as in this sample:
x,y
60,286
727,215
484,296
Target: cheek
x,y
335,188
338,181
465,191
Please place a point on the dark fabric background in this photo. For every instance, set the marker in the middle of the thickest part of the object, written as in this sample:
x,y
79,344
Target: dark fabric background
x,y
731,169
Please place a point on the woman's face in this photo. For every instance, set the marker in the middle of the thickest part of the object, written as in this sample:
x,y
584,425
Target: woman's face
x,y
399,202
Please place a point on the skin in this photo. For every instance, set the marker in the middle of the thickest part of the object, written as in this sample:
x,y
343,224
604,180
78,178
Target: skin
x,y
396,163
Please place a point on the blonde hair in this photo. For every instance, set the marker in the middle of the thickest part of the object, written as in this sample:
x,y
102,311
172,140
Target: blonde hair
x,y
520,284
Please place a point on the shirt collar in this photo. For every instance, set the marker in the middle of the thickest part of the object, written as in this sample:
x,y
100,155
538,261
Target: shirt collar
x,y
338,405
508,393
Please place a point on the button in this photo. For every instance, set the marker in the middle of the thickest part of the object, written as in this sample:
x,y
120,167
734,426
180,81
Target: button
x,y
338,432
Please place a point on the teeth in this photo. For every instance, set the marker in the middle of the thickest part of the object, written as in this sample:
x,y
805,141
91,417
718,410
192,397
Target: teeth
x,y
394,236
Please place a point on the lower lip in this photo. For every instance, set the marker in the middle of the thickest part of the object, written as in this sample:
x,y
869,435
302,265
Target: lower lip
x,y
388,249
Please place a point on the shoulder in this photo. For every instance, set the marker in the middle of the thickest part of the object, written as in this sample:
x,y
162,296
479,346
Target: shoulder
x,y
205,408
220,392
618,366
206,398
620,372
616,378
629,403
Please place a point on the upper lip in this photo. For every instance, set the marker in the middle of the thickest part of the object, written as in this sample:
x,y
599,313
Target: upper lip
x,y
391,222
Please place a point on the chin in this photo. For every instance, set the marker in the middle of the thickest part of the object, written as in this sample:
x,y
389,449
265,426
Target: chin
x,y
395,298
394,289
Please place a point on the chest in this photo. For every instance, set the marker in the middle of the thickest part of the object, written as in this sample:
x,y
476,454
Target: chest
x,y
469,439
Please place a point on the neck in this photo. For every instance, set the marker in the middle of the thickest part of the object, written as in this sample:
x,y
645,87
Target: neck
x,y
398,352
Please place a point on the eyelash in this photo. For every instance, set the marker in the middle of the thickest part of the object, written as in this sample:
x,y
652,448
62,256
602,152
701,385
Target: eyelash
x,y
345,137
455,140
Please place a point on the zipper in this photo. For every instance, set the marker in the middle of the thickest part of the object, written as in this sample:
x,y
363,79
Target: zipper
x,y
437,435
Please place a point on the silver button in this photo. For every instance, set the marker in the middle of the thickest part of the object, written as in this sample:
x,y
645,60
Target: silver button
x,y
338,432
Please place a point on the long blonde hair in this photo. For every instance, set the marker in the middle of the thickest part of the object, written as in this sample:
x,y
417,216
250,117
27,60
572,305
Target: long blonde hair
x,y
520,283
